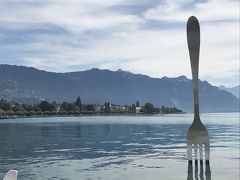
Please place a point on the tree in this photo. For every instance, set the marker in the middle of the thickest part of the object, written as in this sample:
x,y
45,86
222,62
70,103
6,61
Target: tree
x,y
36,108
107,108
17,107
133,108
79,103
148,108
45,106
53,106
64,106
69,107
169,110
157,110
90,107
4,105
27,107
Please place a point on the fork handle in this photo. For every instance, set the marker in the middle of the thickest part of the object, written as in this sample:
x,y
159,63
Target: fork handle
x,y
193,38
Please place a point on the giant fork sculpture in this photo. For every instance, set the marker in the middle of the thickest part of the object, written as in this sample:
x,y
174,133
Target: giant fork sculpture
x,y
197,136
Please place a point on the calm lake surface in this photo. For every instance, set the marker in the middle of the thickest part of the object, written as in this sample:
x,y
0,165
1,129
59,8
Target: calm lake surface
x,y
116,147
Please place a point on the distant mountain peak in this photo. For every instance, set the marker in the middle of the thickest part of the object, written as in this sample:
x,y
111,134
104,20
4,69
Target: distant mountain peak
x,y
222,86
235,90
183,78
165,77
95,69
179,78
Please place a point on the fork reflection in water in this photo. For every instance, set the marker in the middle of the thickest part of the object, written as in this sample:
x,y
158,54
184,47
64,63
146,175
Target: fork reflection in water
x,y
199,175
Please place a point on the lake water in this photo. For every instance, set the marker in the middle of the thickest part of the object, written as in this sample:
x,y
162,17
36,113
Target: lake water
x,y
116,147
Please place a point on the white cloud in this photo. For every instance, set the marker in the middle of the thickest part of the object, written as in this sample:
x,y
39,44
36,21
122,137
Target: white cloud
x,y
75,15
94,35
212,10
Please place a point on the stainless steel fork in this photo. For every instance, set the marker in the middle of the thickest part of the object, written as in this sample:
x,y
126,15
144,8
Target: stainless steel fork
x,y
197,136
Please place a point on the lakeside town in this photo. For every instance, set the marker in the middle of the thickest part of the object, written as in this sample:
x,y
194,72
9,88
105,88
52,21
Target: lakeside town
x,y
10,109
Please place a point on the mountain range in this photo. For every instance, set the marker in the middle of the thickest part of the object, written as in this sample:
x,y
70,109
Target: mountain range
x,y
30,85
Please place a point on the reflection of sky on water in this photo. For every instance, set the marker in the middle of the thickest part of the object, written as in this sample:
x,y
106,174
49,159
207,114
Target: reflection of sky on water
x,y
77,141
104,148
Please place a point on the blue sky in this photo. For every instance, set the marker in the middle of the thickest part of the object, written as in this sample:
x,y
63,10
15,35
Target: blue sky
x,y
147,36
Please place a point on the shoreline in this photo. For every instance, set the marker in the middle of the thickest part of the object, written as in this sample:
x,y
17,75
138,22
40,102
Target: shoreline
x,y
86,114
81,115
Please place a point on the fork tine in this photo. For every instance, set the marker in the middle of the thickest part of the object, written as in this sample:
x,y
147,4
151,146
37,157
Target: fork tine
x,y
207,152
189,152
208,172
196,171
195,153
201,153
190,171
201,171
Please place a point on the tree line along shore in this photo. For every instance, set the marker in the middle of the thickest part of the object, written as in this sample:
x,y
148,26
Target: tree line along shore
x,y
11,109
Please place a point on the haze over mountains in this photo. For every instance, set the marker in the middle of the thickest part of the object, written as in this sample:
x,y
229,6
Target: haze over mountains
x,y
26,84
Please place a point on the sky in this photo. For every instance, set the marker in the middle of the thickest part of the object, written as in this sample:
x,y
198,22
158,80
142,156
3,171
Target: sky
x,y
144,37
